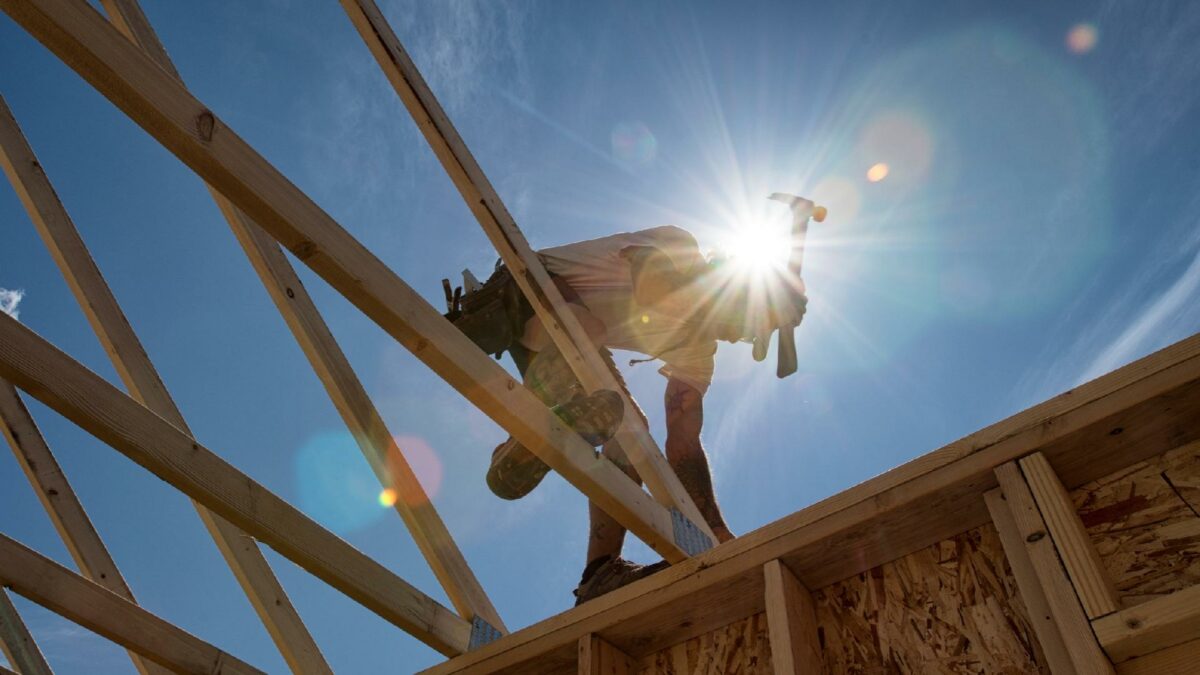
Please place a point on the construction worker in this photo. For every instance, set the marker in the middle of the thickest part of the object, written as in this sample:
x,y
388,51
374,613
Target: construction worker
x,y
651,292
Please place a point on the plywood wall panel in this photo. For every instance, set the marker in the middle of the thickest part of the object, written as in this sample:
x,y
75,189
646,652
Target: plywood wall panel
x,y
741,648
950,608
1145,522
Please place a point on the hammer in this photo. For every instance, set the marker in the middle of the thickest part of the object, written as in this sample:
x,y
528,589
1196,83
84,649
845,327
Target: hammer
x,y
802,211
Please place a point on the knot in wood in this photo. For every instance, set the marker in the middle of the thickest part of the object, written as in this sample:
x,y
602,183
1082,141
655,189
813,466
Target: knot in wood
x,y
1036,536
205,123
290,293
304,250
1134,623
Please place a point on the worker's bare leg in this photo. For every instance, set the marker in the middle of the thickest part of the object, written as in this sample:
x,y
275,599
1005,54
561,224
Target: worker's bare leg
x,y
685,453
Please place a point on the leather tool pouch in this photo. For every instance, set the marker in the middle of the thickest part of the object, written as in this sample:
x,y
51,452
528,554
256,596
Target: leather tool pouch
x,y
493,315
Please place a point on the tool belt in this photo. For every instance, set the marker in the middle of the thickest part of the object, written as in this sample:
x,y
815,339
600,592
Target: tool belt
x,y
493,314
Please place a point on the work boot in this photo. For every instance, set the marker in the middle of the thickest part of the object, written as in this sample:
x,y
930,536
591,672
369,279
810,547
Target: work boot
x,y
611,574
515,471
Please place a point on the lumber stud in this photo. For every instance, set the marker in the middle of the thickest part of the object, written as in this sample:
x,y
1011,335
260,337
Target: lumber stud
x,y
598,657
791,622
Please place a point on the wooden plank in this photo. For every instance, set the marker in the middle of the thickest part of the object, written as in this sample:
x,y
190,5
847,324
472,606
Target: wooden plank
x,y
527,269
1151,626
1029,585
141,378
166,451
1075,548
17,643
1081,645
160,104
94,607
792,622
64,508
597,657
1177,660
366,425
1155,401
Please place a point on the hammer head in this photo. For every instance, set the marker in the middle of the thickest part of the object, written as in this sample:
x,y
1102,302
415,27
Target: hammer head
x,y
800,204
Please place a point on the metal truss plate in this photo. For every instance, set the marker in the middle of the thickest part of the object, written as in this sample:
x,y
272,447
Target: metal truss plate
x,y
687,536
482,633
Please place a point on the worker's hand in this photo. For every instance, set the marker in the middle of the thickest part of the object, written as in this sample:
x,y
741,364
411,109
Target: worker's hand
x,y
790,311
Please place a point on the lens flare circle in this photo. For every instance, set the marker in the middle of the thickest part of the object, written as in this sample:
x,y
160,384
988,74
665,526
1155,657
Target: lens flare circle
x,y
1082,38
633,143
877,172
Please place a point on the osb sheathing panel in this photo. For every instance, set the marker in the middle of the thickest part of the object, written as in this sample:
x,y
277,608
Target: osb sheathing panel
x,y
1145,522
949,608
741,648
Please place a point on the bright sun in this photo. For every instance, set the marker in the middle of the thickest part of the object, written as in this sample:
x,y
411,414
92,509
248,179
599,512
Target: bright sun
x,y
758,249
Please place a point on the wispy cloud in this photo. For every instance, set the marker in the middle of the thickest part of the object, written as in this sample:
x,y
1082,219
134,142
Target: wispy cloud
x,y
9,299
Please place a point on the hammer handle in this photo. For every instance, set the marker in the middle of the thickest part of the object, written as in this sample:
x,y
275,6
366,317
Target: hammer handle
x,y
787,352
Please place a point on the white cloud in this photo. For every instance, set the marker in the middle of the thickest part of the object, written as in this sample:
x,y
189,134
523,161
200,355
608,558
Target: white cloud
x,y
9,299
1152,326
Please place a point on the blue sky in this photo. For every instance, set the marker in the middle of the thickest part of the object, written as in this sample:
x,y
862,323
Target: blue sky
x,y
1037,227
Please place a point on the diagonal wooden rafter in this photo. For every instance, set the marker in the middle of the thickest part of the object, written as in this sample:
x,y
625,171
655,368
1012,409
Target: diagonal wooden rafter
x,y
500,227
349,396
94,607
16,642
141,378
61,504
173,455
156,101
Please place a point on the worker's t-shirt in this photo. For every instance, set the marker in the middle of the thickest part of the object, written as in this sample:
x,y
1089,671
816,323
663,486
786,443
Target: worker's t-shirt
x,y
604,281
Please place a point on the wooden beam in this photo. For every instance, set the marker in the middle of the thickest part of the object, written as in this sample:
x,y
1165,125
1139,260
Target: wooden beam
x,y
94,607
527,269
58,498
1134,413
1156,624
597,657
1080,642
1079,556
141,378
791,622
166,451
16,642
1178,660
6,671
1029,585
327,359
152,98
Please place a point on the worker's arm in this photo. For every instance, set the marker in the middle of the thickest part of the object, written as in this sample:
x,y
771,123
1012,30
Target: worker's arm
x,y
685,417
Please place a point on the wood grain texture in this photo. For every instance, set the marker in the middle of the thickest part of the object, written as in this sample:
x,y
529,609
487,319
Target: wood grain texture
x,y
1145,523
56,588
792,622
598,657
1178,660
1029,586
1155,401
131,362
327,359
1151,626
1079,556
63,507
17,643
949,608
527,269
156,101
741,648
166,451
1081,645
